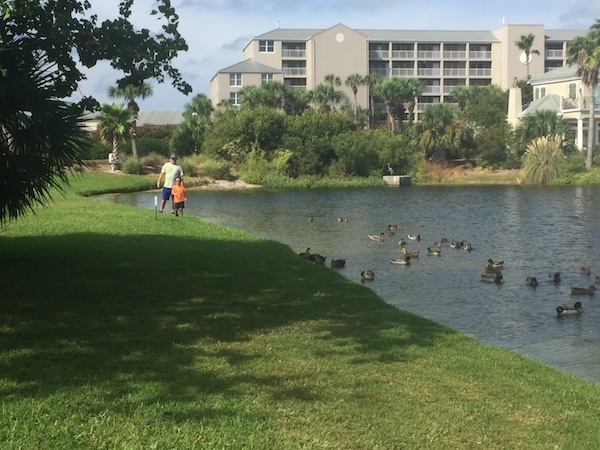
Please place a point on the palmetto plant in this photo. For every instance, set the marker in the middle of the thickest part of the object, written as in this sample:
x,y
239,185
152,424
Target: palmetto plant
x,y
115,121
540,161
39,135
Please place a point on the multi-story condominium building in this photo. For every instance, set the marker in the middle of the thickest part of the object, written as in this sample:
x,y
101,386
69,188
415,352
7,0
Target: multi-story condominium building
x,y
442,60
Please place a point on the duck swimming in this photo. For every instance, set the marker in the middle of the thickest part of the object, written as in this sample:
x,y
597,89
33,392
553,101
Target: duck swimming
x,y
491,278
554,277
405,261
585,270
531,281
414,237
432,252
567,310
493,263
402,242
317,259
409,254
375,237
583,291
367,275
337,263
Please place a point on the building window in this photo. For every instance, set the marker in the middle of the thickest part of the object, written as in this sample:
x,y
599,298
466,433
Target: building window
x,y
233,98
235,79
266,46
572,91
266,78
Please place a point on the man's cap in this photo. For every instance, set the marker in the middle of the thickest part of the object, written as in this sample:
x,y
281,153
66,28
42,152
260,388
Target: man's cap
x,y
173,156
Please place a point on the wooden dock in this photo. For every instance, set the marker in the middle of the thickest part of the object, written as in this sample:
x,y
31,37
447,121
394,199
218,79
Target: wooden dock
x,y
397,180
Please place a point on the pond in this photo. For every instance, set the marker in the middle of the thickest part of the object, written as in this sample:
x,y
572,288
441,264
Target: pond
x,y
534,230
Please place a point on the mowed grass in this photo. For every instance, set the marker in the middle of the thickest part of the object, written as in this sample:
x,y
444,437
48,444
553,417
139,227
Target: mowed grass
x,y
120,331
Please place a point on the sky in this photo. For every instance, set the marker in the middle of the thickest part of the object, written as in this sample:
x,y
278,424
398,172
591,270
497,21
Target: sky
x,y
217,31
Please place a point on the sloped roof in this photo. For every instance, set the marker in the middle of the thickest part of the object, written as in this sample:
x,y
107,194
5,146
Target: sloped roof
x,y
250,66
563,73
546,103
160,117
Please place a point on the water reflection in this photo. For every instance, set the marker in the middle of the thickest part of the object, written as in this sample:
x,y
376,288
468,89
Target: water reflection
x,y
536,230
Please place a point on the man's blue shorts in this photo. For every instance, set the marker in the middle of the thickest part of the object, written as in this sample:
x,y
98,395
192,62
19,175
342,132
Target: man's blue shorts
x,y
166,195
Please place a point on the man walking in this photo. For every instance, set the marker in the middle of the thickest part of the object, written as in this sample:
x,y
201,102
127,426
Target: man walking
x,y
169,170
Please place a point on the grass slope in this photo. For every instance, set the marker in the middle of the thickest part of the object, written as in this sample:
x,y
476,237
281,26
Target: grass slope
x,y
119,331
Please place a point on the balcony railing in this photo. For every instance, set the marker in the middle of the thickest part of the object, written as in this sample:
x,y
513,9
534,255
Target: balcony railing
x,y
554,53
455,72
379,54
428,54
293,53
432,89
428,72
480,55
480,72
294,70
382,72
403,72
449,89
403,54
422,106
455,54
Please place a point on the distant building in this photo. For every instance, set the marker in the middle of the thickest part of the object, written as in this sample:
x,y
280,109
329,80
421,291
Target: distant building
x,y
443,60
151,117
562,91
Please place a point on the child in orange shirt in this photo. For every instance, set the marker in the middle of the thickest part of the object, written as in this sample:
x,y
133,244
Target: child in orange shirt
x,y
178,192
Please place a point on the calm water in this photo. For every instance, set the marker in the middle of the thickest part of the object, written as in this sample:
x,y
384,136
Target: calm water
x,y
534,230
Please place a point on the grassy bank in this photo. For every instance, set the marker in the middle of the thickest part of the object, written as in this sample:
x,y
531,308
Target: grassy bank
x,y
119,331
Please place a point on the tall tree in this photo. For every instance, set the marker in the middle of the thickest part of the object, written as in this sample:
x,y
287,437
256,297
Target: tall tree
x,y
353,82
585,52
412,89
439,131
115,122
130,92
332,81
392,92
525,43
371,81
45,48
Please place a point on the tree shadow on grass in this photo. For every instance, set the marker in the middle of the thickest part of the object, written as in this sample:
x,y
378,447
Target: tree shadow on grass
x,y
89,310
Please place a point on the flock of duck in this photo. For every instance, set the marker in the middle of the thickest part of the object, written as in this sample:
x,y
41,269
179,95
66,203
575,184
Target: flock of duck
x,y
492,269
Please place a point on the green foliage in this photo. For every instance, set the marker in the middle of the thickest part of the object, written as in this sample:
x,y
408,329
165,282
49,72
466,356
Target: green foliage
x,y
96,150
486,106
541,160
152,159
217,170
132,166
147,146
543,124
156,131
356,152
188,166
491,147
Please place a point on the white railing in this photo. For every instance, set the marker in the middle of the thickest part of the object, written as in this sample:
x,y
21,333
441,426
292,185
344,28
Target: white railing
x,y
422,106
449,89
403,72
554,53
379,54
293,53
294,70
432,89
428,54
480,72
403,54
382,72
480,55
428,72
455,72
455,54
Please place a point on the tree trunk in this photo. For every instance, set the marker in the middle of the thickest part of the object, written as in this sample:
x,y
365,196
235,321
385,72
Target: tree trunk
x,y
591,132
133,135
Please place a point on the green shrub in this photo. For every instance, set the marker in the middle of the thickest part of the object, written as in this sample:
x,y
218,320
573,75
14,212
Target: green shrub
x,y
188,166
152,159
96,150
540,161
217,170
132,166
147,145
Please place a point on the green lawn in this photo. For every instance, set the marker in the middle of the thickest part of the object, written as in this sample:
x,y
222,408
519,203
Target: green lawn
x,y
120,331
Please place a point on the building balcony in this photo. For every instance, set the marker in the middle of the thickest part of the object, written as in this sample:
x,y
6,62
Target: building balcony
x,y
480,72
428,72
455,72
293,53
294,71
449,89
383,72
480,55
432,90
555,53
403,54
379,55
403,72
428,54
455,54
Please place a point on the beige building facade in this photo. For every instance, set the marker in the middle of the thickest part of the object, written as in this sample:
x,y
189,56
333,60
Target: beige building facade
x,y
442,60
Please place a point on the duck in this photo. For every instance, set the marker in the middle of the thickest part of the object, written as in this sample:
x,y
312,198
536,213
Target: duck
x,y
491,269
554,277
493,263
456,244
585,270
583,291
414,237
375,237
337,263
318,259
306,254
343,219
597,278
491,278
431,252
468,247
391,227
531,281
311,218
402,242
406,253
568,311
439,243
367,275
405,261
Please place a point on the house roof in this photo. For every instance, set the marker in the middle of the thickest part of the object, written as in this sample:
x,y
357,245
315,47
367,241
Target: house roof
x,y
546,103
160,117
249,66
563,73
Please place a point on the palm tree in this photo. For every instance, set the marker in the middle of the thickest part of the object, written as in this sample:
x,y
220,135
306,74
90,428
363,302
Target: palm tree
x,y
297,101
371,81
353,82
439,130
251,97
130,92
392,91
274,93
585,52
333,81
115,122
543,123
525,43
412,89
